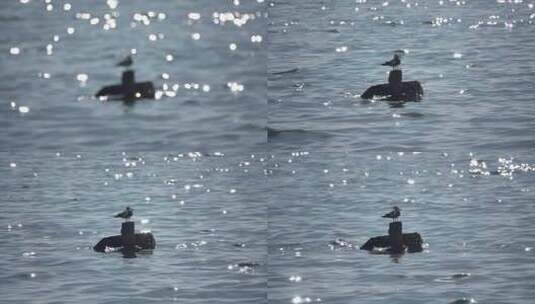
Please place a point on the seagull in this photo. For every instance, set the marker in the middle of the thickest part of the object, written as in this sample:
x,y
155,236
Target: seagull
x,y
394,214
126,62
394,63
126,214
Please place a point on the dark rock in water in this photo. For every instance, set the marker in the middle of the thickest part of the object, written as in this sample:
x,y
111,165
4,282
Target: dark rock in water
x,y
129,90
128,242
396,89
396,241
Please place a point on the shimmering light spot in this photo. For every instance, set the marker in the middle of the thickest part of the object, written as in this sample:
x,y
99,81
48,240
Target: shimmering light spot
x,y
70,30
300,300
341,49
194,16
24,109
457,55
235,87
169,57
165,76
67,7
49,49
14,51
232,191
232,46
94,21
195,36
153,37
410,181
133,51
206,88
112,4
256,38
13,165
32,275
82,77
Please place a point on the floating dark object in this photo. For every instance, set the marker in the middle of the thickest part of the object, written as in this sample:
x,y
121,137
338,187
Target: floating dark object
x,y
129,90
128,242
396,241
396,89
286,71
248,264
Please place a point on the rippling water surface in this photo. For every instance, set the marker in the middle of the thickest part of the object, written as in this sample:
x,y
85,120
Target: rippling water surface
x,y
282,225
206,58
207,213
474,213
470,56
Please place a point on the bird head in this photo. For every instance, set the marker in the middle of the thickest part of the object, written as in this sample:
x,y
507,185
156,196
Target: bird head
x,y
396,208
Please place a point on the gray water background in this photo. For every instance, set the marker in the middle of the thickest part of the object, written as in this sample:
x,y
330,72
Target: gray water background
x,y
54,209
297,197
473,58
63,114
478,229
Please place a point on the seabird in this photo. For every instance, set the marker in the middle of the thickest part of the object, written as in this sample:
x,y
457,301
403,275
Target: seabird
x,y
126,214
126,62
395,62
394,214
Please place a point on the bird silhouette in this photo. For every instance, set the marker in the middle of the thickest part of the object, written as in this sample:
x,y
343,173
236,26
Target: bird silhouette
x,y
126,62
126,214
395,62
394,214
